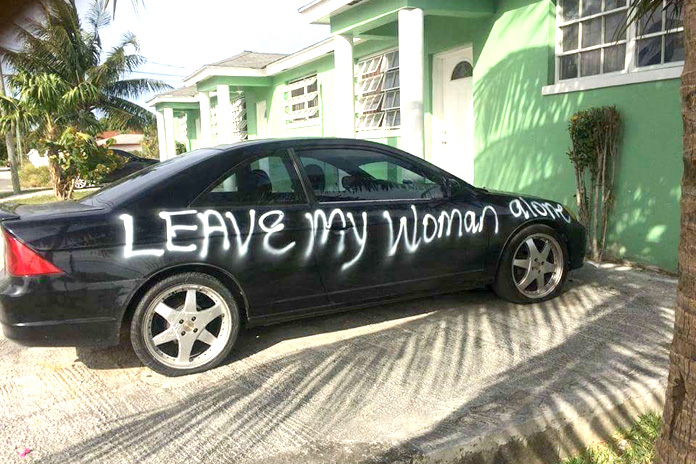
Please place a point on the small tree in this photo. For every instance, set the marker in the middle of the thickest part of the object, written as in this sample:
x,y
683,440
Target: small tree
x,y
60,85
595,135
150,143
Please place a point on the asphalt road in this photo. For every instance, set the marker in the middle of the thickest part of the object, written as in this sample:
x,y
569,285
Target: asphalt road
x,y
387,384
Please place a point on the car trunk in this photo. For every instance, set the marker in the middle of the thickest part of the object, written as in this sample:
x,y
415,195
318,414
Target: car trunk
x,y
53,226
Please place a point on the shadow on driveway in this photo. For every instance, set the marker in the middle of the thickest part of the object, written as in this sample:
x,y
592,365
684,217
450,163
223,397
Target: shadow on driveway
x,y
378,385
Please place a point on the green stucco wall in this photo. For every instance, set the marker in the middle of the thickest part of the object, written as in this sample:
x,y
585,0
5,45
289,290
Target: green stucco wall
x,y
522,139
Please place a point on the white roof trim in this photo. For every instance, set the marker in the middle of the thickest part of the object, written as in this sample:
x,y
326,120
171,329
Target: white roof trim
x,y
169,99
319,11
210,71
303,56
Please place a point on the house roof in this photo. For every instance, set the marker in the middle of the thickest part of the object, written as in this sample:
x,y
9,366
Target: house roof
x,y
189,91
256,64
182,94
249,59
320,11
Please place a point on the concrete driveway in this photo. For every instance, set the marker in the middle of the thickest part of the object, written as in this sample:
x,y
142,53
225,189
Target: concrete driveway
x,y
458,378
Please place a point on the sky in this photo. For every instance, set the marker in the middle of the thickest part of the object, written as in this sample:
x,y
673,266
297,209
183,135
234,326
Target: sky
x,y
179,36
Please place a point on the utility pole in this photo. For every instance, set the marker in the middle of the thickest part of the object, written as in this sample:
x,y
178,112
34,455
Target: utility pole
x,y
9,143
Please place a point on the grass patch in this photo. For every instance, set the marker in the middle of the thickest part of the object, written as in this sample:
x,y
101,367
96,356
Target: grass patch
x,y
635,445
31,176
48,197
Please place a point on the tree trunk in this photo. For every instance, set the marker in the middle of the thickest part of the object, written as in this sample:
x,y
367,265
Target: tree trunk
x,y
595,208
9,143
677,443
20,148
16,188
62,185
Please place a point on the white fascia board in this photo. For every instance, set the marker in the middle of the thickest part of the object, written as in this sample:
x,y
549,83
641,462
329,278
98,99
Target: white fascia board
x,y
212,71
319,11
168,99
303,56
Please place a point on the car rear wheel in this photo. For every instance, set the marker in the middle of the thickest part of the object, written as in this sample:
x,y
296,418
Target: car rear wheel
x,y
533,267
184,324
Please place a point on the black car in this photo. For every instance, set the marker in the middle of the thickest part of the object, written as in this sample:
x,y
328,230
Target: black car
x,y
131,163
189,250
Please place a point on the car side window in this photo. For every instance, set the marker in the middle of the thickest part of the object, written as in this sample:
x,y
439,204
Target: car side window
x,y
340,174
265,180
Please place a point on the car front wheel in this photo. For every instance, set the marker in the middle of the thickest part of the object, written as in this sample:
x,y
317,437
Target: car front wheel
x,y
184,324
533,267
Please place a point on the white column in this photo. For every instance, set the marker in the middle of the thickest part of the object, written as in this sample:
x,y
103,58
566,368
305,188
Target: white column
x,y
170,145
411,72
224,114
206,129
161,136
344,86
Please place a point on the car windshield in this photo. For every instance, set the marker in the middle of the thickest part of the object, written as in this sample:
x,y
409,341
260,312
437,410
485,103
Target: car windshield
x,y
126,187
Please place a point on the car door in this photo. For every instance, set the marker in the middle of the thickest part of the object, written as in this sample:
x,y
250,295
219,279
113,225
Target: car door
x,y
465,226
367,217
262,204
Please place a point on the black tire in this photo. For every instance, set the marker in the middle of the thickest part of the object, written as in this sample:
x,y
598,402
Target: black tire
x,y
203,281
504,285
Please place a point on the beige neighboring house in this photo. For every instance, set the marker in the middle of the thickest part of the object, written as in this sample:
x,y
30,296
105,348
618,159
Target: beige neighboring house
x,y
123,141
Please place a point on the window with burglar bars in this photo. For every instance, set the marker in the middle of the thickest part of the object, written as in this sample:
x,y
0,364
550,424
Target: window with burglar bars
x,y
377,92
593,38
302,100
239,119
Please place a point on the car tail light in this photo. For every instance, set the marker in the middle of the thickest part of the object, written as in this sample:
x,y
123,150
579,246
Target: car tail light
x,y
21,260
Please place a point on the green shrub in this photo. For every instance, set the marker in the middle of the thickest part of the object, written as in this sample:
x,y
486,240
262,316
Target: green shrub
x,y
31,176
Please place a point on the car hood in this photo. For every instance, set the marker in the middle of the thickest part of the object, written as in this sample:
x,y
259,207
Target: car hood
x,y
512,195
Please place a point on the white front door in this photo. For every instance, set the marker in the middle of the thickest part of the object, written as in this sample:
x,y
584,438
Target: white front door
x,y
453,113
261,120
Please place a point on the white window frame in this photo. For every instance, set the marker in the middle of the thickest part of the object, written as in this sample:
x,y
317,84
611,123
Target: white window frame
x,y
307,113
631,73
370,98
239,119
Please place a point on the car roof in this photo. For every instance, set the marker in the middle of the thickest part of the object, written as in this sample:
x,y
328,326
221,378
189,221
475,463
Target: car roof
x,y
190,168
304,141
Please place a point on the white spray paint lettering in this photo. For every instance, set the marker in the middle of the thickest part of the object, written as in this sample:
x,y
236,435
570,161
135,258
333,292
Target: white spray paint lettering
x,y
410,236
520,207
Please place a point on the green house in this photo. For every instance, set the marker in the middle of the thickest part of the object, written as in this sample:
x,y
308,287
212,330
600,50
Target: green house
x,y
482,88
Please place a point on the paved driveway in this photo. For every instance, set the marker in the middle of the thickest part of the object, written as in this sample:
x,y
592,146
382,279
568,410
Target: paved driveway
x,y
387,384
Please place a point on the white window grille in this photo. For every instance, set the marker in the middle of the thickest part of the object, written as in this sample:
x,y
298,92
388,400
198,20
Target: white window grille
x,y
302,100
377,92
592,39
239,119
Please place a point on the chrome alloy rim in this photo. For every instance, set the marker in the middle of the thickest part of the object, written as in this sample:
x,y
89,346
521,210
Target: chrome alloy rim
x,y
537,266
186,326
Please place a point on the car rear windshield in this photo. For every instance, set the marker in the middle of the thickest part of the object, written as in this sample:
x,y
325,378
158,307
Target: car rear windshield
x,y
124,189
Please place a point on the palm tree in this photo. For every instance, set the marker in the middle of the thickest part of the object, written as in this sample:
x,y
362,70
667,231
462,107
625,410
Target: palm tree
x,y
62,84
677,443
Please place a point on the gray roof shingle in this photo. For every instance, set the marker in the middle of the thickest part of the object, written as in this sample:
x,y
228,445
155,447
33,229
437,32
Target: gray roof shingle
x,y
248,59
189,91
